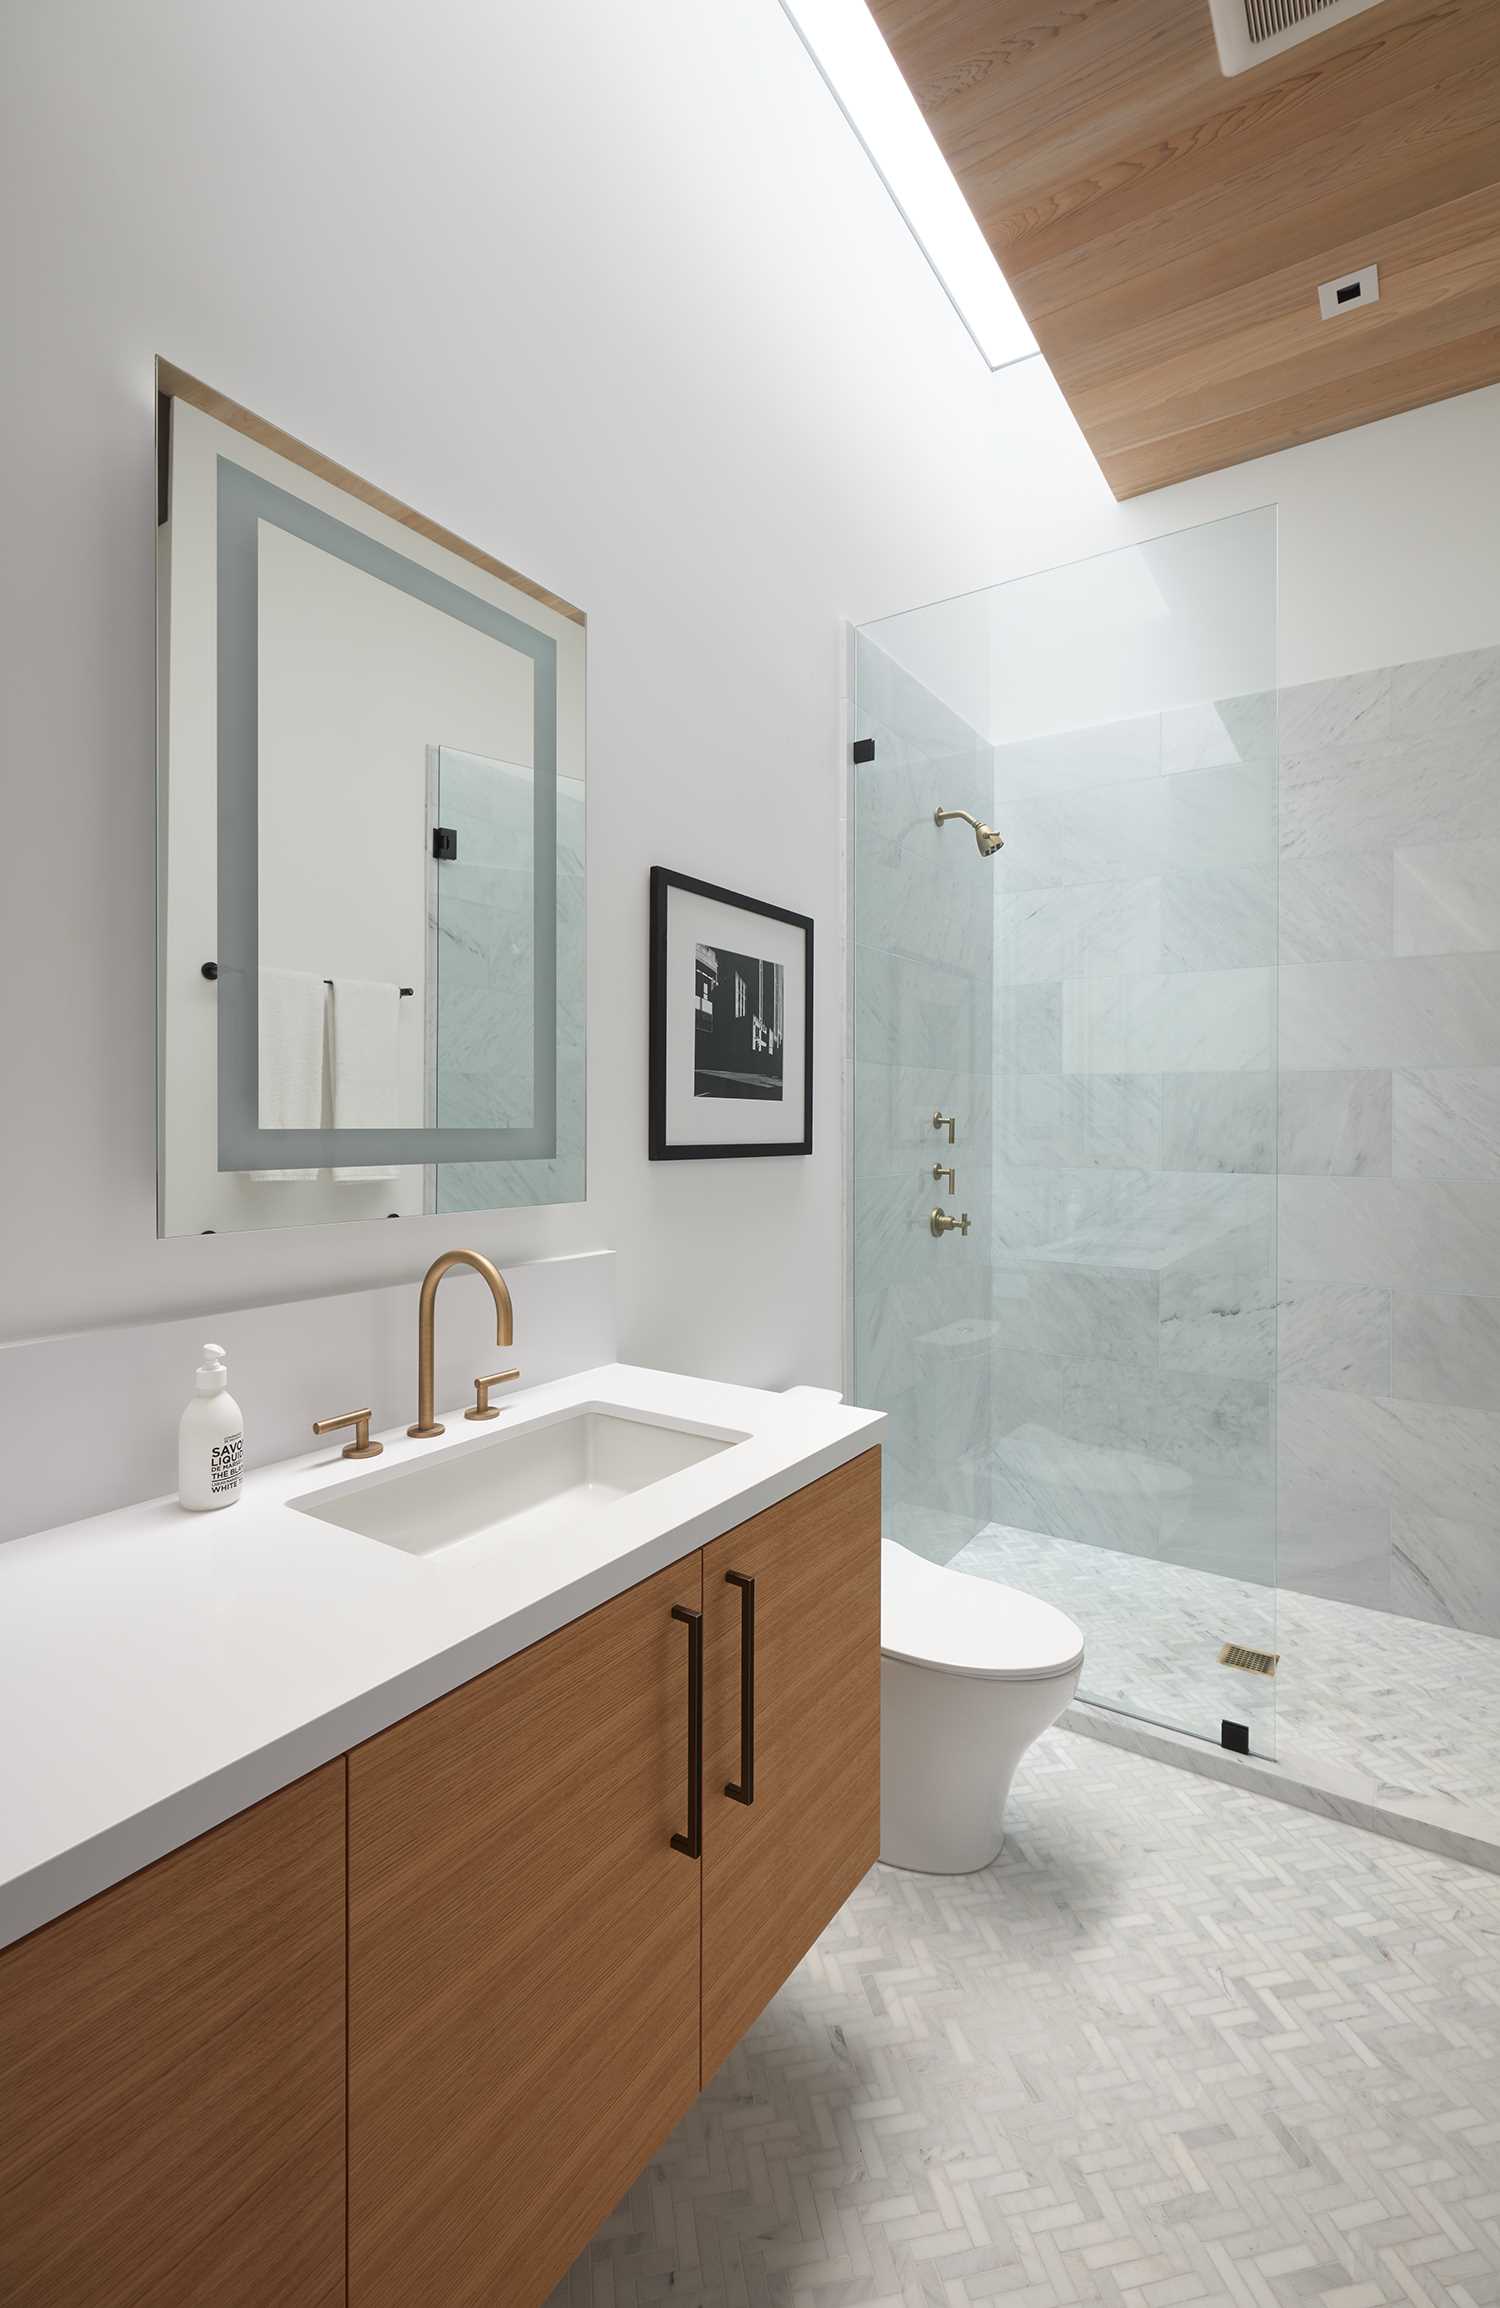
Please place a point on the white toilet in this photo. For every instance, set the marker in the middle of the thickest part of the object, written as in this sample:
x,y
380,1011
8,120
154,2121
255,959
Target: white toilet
x,y
970,1674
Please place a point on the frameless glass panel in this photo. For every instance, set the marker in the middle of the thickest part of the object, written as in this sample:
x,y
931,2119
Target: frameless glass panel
x,y
484,884
1081,1387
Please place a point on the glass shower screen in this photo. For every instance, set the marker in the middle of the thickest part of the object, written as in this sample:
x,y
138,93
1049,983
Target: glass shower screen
x,y
1070,1040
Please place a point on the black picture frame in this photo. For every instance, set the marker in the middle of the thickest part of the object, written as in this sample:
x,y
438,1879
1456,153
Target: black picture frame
x,y
661,1147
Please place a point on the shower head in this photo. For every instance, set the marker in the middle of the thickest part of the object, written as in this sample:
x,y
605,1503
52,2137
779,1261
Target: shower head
x,y
985,835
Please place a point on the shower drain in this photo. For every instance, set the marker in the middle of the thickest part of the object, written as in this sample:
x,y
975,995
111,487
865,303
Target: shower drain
x,y
1250,1662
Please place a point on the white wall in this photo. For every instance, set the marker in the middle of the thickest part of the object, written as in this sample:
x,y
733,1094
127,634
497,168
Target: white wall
x,y
612,291
1387,553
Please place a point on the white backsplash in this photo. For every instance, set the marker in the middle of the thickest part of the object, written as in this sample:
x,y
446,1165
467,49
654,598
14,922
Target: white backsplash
x,y
88,1421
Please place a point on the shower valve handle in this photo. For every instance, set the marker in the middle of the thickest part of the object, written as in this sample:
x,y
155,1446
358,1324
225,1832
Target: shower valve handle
x,y
942,1224
939,1174
948,1122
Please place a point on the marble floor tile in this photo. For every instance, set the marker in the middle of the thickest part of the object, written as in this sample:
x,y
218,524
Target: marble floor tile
x,y
1179,2047
1414,1707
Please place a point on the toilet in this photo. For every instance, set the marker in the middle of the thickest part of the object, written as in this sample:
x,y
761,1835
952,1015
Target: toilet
x,y
970,1674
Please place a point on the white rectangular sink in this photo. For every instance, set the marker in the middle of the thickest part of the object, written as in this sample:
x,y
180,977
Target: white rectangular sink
x,y
552,1474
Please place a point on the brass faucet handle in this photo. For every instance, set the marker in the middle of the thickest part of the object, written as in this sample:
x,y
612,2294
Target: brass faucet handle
x,y
939,1174
948,1122
942,1224
483,1407
361,1447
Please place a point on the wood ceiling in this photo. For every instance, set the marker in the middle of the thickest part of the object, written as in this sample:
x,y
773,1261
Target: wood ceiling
x,y
1164,228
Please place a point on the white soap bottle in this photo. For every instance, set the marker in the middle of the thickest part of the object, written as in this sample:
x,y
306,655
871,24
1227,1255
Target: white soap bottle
x,y
210,1440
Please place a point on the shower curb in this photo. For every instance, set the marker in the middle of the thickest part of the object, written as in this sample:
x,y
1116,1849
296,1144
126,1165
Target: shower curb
x,y
1452,1830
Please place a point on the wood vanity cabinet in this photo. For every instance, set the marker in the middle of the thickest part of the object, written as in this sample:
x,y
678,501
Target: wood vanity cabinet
x,y
172,2077
538,1979
408,2030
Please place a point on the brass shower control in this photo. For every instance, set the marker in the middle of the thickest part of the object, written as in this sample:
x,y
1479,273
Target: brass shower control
x,y
939,1174
948,1122
942,1224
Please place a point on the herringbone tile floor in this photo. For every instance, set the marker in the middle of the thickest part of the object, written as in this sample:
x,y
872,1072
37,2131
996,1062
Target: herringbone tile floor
x,y
1181,2047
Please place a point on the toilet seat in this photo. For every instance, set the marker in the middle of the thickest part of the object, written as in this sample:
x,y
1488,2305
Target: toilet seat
x,y
933,1617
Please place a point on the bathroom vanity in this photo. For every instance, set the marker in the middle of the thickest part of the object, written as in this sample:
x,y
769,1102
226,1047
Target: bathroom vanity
x,y
446,1825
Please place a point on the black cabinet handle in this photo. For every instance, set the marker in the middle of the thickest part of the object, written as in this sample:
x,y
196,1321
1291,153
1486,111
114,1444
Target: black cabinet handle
x,y
692,1842
742,1790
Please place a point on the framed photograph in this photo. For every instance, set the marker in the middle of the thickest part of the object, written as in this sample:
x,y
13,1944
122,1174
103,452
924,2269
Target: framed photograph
x,y
731,1023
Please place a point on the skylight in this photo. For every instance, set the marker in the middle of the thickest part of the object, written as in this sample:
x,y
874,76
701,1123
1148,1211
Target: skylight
x,y
844,42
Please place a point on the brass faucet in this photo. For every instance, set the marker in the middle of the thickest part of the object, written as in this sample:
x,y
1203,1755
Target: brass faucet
x,y
426,1311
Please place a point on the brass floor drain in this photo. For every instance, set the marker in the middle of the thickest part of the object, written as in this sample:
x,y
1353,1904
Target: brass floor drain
x,y
1250,1662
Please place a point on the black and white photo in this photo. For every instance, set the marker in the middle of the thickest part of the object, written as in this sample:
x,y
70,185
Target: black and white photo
x,y
737,1048
731,1023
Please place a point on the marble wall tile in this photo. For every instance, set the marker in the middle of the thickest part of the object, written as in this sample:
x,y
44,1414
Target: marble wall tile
x,y
1113,834
1078,1121
909,1011
1206,1423
1461,692
886,692
1350,1563
1350,708
1424,1456
1069,760
1209,1021
1222,918
1142,1220
1447,897
1227,1524
1446,1570
1027,1028
1335,1124
1222,816
1096,930
1213,735
1337,907
1218,1320
1446,1349
1401,1234
1428,1010
1334,1335
1446,1123
1389,796
893,1110
1218,1122
1077,1313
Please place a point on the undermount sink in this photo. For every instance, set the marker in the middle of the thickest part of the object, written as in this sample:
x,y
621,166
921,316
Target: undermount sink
x,y
552,1474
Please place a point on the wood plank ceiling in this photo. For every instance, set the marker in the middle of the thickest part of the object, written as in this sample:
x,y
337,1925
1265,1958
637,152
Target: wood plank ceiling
x,y
1165,228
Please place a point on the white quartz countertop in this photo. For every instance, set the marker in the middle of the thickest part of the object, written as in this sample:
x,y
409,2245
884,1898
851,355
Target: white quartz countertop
x,y
160,1670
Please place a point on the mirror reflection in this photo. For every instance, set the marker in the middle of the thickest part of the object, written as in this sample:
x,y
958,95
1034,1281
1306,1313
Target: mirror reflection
x,y
372,843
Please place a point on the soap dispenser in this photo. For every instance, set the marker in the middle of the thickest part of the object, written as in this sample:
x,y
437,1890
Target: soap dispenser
x,y
210,1440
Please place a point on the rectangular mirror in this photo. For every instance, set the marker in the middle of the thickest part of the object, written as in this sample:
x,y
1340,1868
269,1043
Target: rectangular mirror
x,y
370,806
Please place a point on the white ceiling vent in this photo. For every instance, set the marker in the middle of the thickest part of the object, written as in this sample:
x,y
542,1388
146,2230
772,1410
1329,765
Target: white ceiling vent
x,y
1248,31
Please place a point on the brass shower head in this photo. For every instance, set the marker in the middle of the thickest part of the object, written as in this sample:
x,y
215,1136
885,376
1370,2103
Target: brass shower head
x,y
985,835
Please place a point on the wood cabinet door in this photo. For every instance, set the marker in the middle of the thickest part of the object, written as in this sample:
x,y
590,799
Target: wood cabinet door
x,y
777,1868
523,1958
172,2076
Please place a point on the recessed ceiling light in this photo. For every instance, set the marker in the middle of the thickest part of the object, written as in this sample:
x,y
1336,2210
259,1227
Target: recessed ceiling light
x,y
843,40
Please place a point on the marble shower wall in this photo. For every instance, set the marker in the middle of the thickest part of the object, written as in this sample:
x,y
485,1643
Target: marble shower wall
x,y
1247,1128
924,936
1134,1218
1389,1142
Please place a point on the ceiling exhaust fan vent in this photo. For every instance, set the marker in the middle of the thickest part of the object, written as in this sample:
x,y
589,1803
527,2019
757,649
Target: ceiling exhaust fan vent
x,y
1248,31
